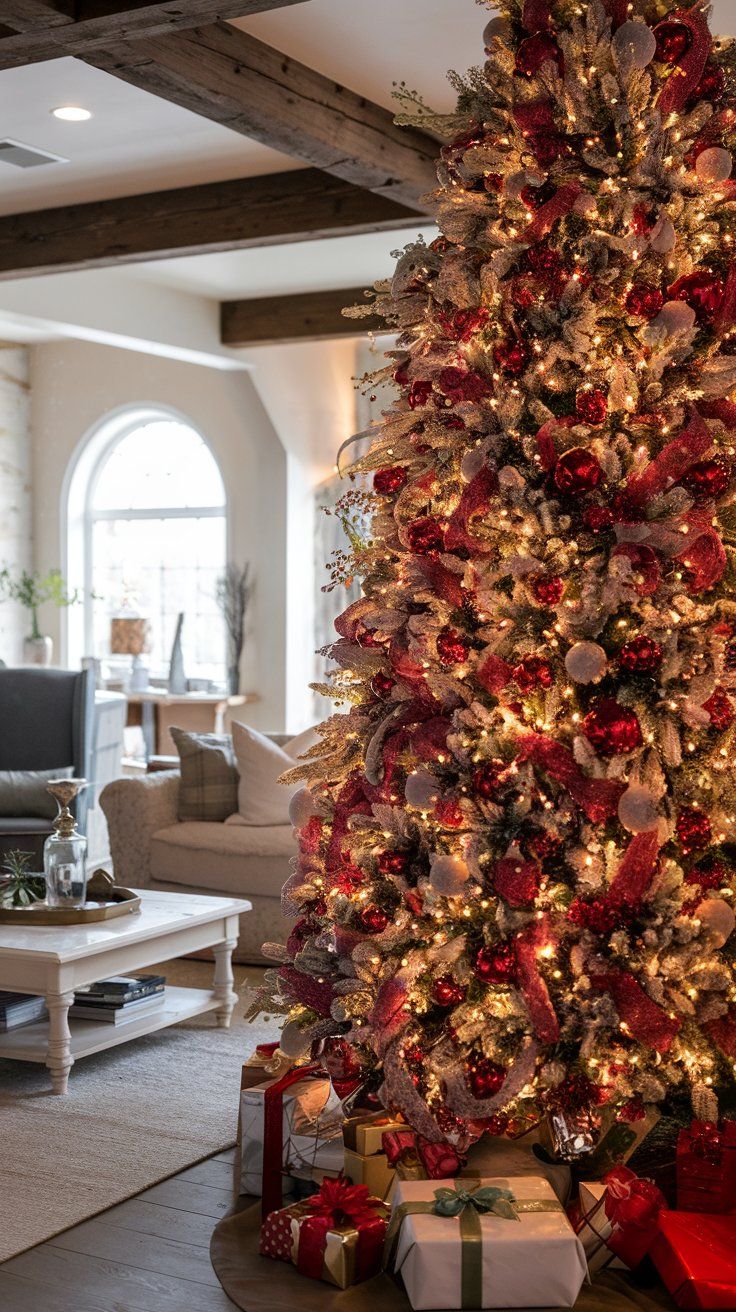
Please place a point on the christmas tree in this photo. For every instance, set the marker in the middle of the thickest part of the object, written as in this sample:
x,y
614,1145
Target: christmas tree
x,y
517,847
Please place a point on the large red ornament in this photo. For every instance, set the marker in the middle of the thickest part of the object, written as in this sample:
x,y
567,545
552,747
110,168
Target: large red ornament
x,y
598,518
720,709
426,536
447,992
694,830
487,779
533,672
419,393
495,965
516,881
548,589
673,41
712,84
535,51
452,648
577,470
644,300
640,655
591,405
391,480
373,920
449,813
382,686
703,290
613,730
512,357
707,478
485,1077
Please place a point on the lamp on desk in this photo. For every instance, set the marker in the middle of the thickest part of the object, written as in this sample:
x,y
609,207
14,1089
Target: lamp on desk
x,y
130,635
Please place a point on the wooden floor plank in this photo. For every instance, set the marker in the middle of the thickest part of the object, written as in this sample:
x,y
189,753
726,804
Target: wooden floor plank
x,y
114,1286
218,1175
166,1257
19,1294
227,1156
146,1218
200,1198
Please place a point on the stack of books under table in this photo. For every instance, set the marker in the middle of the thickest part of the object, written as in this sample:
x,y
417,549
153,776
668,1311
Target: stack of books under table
x,y
18,1009
120,999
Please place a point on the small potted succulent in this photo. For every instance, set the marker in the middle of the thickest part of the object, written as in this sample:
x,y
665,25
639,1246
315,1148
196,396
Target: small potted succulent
x,y
19,886
32,590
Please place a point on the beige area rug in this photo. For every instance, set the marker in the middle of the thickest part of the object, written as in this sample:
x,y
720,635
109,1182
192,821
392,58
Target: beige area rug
x,y
133,1116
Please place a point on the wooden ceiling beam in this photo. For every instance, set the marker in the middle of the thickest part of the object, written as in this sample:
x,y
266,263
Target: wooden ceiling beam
x,y
222,216
310,316
225,75
35,30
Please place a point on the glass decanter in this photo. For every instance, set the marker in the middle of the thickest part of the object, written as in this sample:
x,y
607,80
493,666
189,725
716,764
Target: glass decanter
x,y
65,850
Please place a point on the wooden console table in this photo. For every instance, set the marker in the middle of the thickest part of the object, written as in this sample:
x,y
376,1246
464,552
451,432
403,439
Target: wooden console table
x,y
198,712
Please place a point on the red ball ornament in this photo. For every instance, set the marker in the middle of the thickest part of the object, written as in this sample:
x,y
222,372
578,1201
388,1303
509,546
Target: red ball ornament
x,y
646,573
535,51
511,357
577,470
710,874
612,729
487,779
382,686
426,536
644,300
640,655
707,478
340,1060
392,863
452,648
419,393
495,965
703,290
485,1077
598,518
533,672
547,589
373,920
673,41
720,709
591,405
449,813
694,830
401,374
712,84
391,480
446,992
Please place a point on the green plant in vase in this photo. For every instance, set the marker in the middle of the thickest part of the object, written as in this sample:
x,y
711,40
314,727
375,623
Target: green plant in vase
x,y
20,887
33,590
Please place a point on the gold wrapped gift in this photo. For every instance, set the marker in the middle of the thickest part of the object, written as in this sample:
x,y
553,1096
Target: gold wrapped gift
x,y
364,1133
373,1171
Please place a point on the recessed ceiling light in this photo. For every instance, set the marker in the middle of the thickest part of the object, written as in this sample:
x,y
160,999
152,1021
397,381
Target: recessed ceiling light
x,y
72,113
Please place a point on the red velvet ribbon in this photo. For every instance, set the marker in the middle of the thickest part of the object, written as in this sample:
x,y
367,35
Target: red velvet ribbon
x,y
272,1185
633,1207
722,1032
533,988
672,462
685,77
555,209
339,1204
635,872
617,11
493,674
443,581
725,411
598,798
725,316
704,559
440,1161
706,1141
646,1021
536,16
535,116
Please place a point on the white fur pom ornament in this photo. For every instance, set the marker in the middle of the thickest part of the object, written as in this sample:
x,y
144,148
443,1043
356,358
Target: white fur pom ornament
x,y
675,317
663,236
448,875
497,28
302,807
718,918
634,45
714,165
638,810
586,662
294,1042
422,790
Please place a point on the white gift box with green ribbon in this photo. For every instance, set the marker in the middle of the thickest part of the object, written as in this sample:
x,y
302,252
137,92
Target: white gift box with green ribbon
x,y
490,1243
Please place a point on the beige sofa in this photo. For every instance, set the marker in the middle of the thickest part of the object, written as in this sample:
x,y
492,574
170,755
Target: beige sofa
x,y
151,848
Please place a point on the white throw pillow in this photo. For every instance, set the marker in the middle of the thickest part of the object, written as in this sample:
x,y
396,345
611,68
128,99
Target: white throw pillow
x,y
262,800
296,747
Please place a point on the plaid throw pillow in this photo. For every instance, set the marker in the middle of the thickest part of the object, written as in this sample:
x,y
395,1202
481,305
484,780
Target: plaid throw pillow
x,y
209,776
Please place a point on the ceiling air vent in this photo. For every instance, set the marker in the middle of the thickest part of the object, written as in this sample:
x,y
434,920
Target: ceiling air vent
x,y
26,157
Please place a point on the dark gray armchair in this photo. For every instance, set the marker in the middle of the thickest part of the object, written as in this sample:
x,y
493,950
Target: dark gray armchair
x,y
46,723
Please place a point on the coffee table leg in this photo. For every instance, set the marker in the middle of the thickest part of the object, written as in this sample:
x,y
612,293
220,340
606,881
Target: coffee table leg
x,y
223,990
59,1059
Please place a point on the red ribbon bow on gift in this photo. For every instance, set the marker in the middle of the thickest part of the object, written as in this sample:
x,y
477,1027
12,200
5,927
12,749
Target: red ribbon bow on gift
x,y
339,1202
630,1201
706,1141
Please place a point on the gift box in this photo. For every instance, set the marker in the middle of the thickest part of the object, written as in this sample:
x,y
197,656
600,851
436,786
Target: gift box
x,y
363,1133
374,1172
337,1235
266,1060
616,1219
706,1167
492,1243
696,1257
291,1129
618,1141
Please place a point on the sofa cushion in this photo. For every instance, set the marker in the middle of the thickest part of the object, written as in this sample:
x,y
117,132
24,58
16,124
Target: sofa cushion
x,y
209,778
262,800
24,792
225,858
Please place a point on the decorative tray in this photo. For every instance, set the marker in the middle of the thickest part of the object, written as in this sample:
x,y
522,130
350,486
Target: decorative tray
x,y
106,902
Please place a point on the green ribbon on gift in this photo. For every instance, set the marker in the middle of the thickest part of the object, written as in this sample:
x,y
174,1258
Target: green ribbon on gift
x,y
468,1201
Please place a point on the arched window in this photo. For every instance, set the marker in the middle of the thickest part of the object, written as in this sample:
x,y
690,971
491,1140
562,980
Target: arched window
x,y
148,495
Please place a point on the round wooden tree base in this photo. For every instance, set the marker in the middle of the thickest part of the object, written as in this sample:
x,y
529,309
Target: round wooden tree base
x,y
258,1284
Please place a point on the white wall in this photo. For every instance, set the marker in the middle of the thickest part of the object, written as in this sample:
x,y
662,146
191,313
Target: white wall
x,y
15,490
75,384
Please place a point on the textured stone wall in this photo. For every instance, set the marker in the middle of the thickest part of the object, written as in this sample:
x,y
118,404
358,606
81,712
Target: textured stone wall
x,y
15,489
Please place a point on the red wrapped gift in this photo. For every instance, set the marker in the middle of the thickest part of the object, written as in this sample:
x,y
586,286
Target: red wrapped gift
x,y
337,1235
415,1158
617,1218
706,1167
696,1258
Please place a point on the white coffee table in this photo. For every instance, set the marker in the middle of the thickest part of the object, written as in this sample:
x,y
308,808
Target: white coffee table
x,y
54,962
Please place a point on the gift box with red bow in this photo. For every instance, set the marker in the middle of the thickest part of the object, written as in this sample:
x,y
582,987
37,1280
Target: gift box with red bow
x,y
706,1167
616,1219
290,1129
696,1257
403,1154
337,1235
